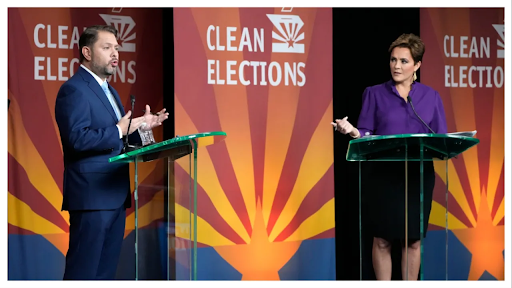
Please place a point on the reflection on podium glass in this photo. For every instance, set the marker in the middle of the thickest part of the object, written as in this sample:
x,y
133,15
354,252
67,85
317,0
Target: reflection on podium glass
x,y
396,197
164,219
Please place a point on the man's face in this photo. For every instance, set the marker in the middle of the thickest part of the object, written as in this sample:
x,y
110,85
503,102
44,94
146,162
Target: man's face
x,y
105,54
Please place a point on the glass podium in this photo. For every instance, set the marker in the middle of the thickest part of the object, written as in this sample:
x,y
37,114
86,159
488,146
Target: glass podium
x,y
411,149
174,208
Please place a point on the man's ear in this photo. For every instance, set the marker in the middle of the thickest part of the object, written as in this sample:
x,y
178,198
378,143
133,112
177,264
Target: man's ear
x,y
86,51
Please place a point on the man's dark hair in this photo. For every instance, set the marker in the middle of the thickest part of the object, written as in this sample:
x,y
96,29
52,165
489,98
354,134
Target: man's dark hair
x,y
90,36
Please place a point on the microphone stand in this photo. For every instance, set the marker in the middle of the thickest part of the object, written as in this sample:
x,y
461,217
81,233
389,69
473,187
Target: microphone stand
x,y
414,110
127,147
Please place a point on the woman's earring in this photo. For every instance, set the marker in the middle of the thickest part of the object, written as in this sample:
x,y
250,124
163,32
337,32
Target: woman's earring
x,y
414,76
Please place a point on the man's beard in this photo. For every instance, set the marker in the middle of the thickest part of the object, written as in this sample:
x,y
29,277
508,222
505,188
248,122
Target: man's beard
x,y
103,71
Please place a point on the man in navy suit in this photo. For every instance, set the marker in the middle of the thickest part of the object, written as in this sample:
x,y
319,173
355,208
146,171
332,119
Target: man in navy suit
x,y
92,125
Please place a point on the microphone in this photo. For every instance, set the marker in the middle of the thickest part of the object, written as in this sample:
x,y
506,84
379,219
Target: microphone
x,y
412,106
127,147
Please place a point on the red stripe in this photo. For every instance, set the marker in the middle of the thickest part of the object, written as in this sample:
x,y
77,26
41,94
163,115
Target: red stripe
x,y
484,97
314,200
331,233
464,181
229,183
205,207
190,60
147,189
435,57
257,95
187,244
314,99
149,85
500,193
20,186
18,231
198,100
440,197
31,99
432,227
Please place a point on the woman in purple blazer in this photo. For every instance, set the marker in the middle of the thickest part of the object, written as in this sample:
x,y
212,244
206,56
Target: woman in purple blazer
x,y
387,110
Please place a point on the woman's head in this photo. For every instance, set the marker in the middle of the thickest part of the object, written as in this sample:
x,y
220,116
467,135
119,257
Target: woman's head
x,y
406,54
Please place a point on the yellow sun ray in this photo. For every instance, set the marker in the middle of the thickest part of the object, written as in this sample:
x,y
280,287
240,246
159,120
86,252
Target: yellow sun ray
x,y
464,111
21,215
206,234
144,170
317,223
455,187
281,118
21,147
500,213
317,160
149,212
463,108
437,217
472,170
282,108
235,122
207,176
59,241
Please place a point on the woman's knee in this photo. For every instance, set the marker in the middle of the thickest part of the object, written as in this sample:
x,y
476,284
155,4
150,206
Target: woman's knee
x,y
381,243
412,244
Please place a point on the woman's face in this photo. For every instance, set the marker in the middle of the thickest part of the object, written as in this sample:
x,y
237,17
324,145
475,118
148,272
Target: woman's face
x,y
402,65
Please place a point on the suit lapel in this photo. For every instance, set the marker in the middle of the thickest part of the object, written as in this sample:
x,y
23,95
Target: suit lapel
x,y
96,88
101,94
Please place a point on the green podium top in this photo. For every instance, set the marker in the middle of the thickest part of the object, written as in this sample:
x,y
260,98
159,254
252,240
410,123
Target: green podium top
x,y
153,151
403,147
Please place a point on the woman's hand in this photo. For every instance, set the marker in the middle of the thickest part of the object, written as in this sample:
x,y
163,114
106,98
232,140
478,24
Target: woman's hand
x,y
345,127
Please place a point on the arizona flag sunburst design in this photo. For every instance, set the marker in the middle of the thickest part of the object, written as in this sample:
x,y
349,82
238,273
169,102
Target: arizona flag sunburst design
x,y
48,40
269,185
456,50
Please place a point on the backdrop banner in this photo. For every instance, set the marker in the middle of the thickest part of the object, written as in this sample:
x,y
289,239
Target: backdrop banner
x,y
43,54
266,194
464,62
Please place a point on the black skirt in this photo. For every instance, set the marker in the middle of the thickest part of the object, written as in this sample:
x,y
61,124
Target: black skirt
x,y
383,190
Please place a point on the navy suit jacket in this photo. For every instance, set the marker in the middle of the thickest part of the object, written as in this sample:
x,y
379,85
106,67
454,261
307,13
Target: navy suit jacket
x,y
89,136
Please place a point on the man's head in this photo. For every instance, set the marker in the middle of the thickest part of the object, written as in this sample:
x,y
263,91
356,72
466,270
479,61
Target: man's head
x,y
99,50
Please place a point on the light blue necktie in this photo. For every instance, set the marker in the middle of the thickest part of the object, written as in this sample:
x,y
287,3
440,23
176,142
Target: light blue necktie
x,y
111,99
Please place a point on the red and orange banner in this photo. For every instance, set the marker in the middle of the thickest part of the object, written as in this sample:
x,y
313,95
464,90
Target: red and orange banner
x,y
464,62
43,54
266,193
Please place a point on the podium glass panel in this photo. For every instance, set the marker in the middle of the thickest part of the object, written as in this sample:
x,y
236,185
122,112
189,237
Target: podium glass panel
x,y
181,220
148,219
402,163
176,199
